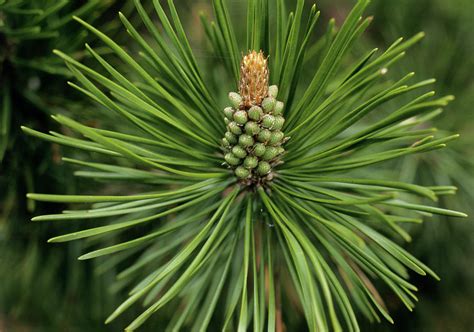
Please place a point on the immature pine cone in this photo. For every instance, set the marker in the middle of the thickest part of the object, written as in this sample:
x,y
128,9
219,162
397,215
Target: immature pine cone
x,y
253,141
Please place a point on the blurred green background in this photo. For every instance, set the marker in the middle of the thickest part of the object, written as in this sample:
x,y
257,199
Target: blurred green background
x,y
44,288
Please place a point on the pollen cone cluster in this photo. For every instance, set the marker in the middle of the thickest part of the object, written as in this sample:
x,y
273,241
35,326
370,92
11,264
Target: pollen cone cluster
x,y
254,141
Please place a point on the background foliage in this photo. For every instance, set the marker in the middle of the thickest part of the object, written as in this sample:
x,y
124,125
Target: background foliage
x,y
446,54
33,86
446,246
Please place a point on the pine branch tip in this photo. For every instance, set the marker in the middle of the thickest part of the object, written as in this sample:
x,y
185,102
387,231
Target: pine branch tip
x,y
78,19
257,162
57,52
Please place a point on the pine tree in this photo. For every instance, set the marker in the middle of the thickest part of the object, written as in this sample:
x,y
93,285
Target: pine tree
x,y
262,209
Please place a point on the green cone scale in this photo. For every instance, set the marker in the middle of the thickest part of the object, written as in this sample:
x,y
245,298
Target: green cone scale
x,y
253,143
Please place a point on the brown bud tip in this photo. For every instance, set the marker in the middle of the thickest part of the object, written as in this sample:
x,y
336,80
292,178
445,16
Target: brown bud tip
x,y
254,77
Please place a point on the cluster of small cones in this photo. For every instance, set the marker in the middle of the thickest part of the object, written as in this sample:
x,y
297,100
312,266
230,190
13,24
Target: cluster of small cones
x,y
254,141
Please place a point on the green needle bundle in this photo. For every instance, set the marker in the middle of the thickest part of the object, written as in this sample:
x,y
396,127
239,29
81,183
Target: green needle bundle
x,y
253,231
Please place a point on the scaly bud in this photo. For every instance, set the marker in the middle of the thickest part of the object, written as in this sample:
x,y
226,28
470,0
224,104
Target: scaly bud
x,y
250,162
273,91
234,128
278,108
268,121
239,152
254,77
259,149
270,153
232,159
231,138
225,143
264,135
279,122
235,99
268,104
246,140
252,128
264,168
276,138
255,113
241,117
242,173
229,113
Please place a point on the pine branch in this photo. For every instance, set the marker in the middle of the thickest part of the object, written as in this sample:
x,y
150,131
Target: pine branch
x,y
279,206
